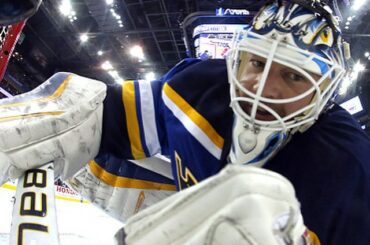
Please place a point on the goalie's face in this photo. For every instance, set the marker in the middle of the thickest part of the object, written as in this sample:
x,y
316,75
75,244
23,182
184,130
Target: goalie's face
x,y
281,83
283,70
268,97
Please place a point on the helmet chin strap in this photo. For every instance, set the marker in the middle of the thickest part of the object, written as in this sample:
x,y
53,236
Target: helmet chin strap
x,y
253,146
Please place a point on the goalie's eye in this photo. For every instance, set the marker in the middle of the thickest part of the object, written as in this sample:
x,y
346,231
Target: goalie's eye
x,y
294,77
258,64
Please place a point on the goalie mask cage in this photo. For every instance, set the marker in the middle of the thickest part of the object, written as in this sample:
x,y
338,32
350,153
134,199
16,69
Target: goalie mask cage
x,y
8,38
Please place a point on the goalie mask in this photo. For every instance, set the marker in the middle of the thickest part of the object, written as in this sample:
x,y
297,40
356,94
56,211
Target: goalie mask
x,y
282,70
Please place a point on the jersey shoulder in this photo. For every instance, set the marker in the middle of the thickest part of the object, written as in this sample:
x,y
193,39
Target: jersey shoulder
x,y
204,86
329,167
337,134
337,127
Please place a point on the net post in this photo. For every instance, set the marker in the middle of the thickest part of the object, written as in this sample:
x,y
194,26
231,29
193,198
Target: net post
x,y
8,43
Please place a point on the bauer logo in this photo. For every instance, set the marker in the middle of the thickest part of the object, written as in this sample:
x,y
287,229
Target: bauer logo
x,y
32,204
34,219
34,178
225,12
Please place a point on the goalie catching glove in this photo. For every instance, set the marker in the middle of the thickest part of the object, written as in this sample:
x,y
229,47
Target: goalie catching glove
x,y
59,121
240,205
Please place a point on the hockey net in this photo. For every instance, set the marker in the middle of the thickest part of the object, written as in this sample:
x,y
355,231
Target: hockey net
x,y
8,38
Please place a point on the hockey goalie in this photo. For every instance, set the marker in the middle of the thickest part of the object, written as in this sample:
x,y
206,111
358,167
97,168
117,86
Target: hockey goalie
x,y
61,122
247,150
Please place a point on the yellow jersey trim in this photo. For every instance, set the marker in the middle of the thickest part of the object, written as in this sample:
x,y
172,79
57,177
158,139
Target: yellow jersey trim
x,y
129,103
124,182
194,116
313,238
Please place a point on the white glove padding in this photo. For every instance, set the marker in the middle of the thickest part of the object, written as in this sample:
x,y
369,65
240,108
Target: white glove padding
x,y
58,121
118,201
240,205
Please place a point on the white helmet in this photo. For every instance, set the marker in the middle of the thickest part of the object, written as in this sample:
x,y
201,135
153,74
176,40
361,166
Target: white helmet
x,y
301,36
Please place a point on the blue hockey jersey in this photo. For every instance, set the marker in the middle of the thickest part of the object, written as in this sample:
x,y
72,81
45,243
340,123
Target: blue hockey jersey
x,y
186,116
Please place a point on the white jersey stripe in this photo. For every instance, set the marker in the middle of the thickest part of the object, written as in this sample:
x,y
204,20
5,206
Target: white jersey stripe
x,y
148,117
192,128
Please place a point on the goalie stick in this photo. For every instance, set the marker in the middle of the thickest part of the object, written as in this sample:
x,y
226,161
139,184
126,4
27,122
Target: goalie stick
x,y
34,214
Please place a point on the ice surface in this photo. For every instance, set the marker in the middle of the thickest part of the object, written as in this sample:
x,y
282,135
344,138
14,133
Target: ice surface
x,y
78,223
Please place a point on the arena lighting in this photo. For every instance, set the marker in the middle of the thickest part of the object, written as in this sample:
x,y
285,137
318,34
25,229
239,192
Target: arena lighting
x,y
84,37
113,73
358,67
107,66
117,78
116,16
367,54
346,83
358,4
109,2
66,7
349,79
150,76
100,53
137,51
